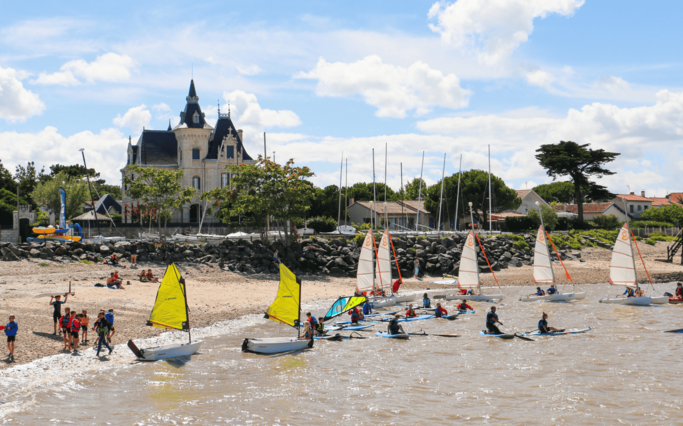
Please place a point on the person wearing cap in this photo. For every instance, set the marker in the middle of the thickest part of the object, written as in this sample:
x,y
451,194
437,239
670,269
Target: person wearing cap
x,y
543,325
394,327
491,321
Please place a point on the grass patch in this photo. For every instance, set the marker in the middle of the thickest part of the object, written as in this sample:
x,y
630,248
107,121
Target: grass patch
x,y
87,262
43,264
650,242
658,236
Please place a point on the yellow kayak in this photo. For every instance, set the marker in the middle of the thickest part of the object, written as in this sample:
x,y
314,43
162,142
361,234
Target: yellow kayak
x,y
60,238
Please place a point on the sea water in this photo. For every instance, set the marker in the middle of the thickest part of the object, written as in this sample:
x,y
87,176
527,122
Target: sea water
x,y
624,371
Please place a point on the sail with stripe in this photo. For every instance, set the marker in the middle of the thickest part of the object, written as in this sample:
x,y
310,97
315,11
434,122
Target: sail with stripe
x,y
468,276
343,304
622,270
366,265
543,267
384,262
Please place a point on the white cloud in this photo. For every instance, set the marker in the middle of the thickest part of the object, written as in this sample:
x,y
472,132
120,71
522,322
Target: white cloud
x,y
493,28
249,70
540,78
17,103
246,111
392,89
135,118
162,111
109,67
105,151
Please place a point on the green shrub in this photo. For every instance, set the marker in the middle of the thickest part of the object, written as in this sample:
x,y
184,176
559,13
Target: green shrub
x,y
638,224
520,223
87,262
607,221
650,242
44,264
521,244
658,236
322,224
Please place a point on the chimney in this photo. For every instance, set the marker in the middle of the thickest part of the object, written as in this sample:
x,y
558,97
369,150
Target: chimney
x,y
351,200
631,193
642,194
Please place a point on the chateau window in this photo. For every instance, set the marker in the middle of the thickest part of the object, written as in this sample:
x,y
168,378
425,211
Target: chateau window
x,y
195,154
180,154
631,206
195,118
196,183
638,207
225,180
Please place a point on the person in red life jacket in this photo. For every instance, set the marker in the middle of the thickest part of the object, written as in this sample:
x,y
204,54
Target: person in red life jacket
x,y
463,306
70,331
440,312
65,325
679,292
75,331
355,315
396,286
410,313
310,318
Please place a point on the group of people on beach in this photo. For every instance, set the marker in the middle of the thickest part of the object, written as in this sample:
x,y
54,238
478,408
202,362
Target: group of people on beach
x,y
74,326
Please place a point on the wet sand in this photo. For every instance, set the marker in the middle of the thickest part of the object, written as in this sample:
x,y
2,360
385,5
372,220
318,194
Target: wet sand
x,y
215,295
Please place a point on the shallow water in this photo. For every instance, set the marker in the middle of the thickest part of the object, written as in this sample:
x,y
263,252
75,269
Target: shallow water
x,y
624,371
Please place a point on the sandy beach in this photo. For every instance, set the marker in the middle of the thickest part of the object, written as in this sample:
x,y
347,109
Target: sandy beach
x,y
216,295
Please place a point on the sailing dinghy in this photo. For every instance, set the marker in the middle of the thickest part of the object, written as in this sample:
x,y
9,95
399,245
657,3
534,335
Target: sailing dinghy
x,y
170,311
366,275
622,272
543,270
468,277
285,309
384,267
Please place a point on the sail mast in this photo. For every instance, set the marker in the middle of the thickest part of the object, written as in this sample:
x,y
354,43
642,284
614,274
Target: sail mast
x,y
341,166
490,221
386,215
419,195
457,197
443,175
374,215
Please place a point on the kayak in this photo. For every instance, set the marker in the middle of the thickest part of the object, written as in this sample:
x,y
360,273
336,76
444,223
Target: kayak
x,y
469,311
417,318
379,315
348,327
503,336
560,333
392,336
359,322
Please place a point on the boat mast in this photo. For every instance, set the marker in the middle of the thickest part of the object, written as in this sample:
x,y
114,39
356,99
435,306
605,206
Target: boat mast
x,y
419,195
346,194
630,243
372,227
443,175
475,246
341,166
386,215
403,191
457,198
490,221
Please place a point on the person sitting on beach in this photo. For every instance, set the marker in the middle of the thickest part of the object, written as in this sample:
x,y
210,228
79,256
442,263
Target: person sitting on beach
x,y
320,328
85,320
440,312
65,325
543,325
57,313
367,308
112,282
426,301
143,276
150,277
410,312
629,292
394,327
491,321
307,334
463,306
552,289
101,327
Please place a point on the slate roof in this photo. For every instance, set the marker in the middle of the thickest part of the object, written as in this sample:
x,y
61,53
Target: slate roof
x,y
192,107
224,126
158,148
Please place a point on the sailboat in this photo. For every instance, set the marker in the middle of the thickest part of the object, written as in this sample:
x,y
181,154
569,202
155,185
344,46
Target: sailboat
x,y
384,267
622,272
285,309
468,277
543,269
170,311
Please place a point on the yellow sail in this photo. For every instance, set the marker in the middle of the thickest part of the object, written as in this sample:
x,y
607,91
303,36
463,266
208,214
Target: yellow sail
x,y
285,308
170,308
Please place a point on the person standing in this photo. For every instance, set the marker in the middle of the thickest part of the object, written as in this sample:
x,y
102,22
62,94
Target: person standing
x,y
367,307
102,328
491,321
85,321
75,331
11,333
57,313
134,254
65,325
416,263
110,319
70,331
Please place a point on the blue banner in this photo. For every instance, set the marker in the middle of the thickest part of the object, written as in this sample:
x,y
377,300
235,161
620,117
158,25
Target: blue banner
x,y
62,209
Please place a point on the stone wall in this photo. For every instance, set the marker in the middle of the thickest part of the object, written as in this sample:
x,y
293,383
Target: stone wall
x,y
9,235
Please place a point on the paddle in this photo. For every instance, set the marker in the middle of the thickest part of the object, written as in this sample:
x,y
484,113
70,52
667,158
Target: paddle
x,y
523,337
680,330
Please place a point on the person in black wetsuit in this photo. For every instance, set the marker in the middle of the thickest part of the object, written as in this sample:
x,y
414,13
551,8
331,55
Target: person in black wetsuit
x,y
491,320
57,313
543,325
394,327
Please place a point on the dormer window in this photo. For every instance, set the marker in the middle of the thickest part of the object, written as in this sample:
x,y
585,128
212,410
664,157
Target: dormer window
x,y
195,154
195,118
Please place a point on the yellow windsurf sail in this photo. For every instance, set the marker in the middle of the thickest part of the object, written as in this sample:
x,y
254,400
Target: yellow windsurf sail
x,y
170,308
286,307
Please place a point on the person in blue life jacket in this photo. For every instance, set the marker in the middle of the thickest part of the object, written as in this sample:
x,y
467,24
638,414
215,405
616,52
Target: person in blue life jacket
x,y
629,292
470,292
310,318
394,327
539,292
440,312
109,316
426,301
552,289
11,333
367,307
543,325
463,306
491,321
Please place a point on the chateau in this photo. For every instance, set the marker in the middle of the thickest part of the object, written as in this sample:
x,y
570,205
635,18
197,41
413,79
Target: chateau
x,y
201,151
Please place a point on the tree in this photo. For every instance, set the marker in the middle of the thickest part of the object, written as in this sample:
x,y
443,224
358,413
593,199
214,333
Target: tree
x,y
160,189
412,189
6,180
78,171
264,187
560,192
8,204
579,163
28,179
550,219
326,202
672,213
47,194
474,189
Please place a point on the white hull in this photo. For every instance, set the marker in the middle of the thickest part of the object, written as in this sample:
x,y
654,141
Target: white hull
x,y
475,297
637,301
170,351
561,297
391,301
275,345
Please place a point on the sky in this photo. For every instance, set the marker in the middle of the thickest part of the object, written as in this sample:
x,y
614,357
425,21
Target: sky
x,y
333,80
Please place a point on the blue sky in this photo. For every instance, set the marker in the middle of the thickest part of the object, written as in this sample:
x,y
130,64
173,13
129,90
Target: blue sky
x,y
322,78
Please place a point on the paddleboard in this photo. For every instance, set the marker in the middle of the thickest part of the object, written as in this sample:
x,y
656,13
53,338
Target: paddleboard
x,y
417,318
62,293
379,315
356,327
392,336
465,312
560,333
336,337
351,322
502,336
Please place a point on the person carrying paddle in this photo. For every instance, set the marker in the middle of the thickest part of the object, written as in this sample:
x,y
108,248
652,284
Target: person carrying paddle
x,y
394,327
491,321
57,313
552,289
410,313
463,306
543,325
426,301
440,312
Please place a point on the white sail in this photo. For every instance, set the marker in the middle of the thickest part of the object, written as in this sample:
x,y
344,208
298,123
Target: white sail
x,y
543,267
366,264
384,261
622,270
468,277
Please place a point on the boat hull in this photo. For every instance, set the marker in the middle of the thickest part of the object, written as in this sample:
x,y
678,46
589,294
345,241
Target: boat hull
x,y
562,297
392,300
475,297
170,351
560,333
392,336
633,301
275,345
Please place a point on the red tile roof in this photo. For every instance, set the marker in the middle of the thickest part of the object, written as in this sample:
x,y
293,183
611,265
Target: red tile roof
x,y
503,215
521,193
587,207
633,197
676,197
413,204
656,202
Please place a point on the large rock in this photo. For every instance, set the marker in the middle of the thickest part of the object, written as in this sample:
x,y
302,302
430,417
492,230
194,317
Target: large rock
x,y
104,250
46,253
8,255
60,251
34,253
78,252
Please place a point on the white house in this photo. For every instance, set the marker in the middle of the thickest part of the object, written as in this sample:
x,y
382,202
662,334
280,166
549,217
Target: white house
x,y
635,204
529,198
